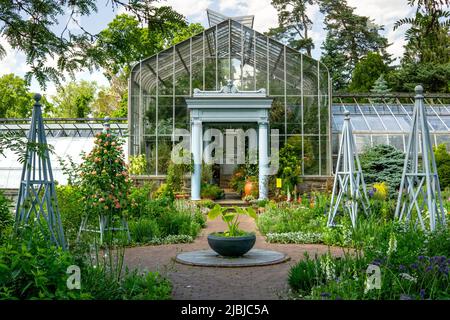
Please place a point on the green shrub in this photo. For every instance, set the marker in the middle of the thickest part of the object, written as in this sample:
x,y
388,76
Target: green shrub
x,y
71,209
35,273
178,222
171,239
143,205
159,218
305,275
150,286
133,285
290,218
212,192
442,158
38,270
414,265
138,164
6,217
164,192
143,230
295,237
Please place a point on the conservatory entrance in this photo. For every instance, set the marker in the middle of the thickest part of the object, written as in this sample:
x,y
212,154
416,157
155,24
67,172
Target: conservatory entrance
x,y
229,105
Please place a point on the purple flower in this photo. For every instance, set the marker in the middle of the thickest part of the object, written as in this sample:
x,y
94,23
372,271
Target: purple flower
x,y
428,269
414,266
376,262
422,294
325,295
402,268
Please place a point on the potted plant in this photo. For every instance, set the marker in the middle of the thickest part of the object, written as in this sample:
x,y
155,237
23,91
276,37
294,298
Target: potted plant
x,y
233,242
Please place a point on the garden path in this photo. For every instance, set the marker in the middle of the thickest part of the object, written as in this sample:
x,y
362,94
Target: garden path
x,y
210,283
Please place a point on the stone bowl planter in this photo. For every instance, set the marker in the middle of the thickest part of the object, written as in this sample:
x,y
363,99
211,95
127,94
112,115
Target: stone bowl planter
x,y
231,246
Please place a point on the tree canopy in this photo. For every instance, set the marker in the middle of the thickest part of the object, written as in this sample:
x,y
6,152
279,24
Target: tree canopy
x,y
367,71
30,27
349,38
75,99
16,100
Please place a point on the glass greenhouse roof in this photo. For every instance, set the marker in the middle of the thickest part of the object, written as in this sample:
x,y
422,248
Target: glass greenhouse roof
x,y
68,137
376,121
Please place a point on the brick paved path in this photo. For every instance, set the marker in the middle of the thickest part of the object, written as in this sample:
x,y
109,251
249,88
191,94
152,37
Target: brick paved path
x,y
210,283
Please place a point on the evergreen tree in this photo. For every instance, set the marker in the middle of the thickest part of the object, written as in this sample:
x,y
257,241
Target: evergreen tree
x,y
381,86
349,37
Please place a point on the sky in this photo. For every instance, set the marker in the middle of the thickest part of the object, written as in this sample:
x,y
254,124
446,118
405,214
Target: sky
x,y
383,12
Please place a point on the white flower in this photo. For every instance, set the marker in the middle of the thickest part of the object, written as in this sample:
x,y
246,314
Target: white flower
x,y
408,277
392,244
328,267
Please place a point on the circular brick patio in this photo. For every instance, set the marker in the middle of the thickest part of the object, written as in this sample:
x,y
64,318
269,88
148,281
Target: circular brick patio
x,y
210,283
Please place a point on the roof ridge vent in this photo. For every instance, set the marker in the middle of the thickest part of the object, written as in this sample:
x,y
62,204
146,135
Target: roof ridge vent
x,y
215,18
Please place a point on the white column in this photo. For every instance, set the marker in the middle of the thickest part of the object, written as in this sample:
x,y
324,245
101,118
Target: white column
x,y
263,159
196,147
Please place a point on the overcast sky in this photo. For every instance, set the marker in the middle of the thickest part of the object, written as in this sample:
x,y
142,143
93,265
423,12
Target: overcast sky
x,y
383,12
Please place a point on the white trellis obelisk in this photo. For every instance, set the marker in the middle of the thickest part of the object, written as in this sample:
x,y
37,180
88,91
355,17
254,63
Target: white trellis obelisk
x,y
37,204
419,188
349,178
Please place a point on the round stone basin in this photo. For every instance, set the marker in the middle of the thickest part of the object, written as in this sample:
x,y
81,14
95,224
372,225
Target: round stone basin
x,y
253,258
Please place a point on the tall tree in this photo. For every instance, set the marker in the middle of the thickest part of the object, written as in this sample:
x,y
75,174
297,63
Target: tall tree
x,y
16,100
123,43
428,36
75,99
367,71
349,38
293,24
126,40
30,27
427,53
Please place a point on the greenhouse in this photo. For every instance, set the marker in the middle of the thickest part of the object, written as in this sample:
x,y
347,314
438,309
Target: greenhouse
x,y
230,50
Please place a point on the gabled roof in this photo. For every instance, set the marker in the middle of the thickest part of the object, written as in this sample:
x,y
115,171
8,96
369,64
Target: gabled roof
x,y
257,49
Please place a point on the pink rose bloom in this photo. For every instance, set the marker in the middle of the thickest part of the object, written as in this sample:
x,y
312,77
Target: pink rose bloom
x,y
113,143
117,205
101,199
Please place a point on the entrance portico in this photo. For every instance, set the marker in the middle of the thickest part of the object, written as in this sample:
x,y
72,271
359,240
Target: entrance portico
x,y
229,105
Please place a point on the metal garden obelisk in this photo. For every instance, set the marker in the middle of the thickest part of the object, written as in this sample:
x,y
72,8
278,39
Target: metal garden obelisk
x,y
419,186
348,179
37,204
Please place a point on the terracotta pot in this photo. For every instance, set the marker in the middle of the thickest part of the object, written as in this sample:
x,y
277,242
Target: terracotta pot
x,y
248,188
